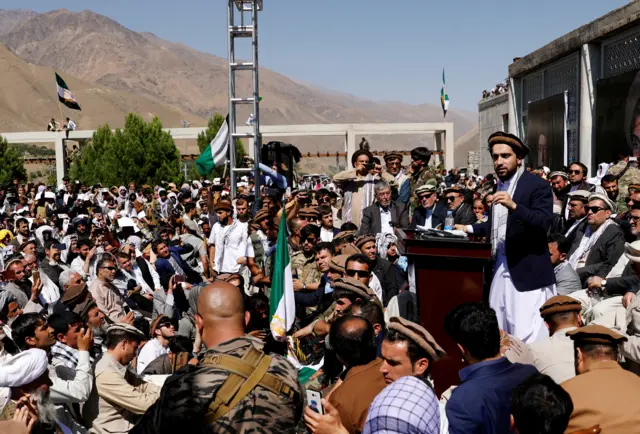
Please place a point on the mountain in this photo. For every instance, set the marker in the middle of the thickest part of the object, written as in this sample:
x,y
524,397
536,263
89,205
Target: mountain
x,y
28,100
97,49
12,18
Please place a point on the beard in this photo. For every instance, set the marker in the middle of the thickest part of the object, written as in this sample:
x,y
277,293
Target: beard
x,y
46,408
100,332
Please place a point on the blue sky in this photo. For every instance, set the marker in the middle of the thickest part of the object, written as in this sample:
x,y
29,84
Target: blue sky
x,y
378,49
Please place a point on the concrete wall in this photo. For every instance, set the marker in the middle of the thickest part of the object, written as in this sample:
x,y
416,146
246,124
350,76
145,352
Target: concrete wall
x,y
492,114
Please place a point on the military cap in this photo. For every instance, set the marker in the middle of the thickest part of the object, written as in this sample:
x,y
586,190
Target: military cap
x,y
393,156
603,197
223,205
514,142
338,263
580,195
261,215
558,173
353,285
596,334
559,304
632,251
419,335
309,211
126,328
344,234
364,239
429,187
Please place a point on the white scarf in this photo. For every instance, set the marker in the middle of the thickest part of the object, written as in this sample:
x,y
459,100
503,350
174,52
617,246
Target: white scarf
x,y
501,213
587,242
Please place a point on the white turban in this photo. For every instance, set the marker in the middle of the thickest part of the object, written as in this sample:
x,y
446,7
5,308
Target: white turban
x,y
23,368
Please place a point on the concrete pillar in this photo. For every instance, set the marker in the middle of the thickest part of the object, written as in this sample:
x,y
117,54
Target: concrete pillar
x,y
60,157
515,108
351,145
589,74
449,148
249,148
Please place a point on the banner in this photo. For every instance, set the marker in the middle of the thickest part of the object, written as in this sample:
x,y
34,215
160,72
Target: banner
x,y
546,132
617,119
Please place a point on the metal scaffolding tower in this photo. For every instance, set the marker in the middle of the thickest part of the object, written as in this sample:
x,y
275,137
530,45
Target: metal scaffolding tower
x,y
248,9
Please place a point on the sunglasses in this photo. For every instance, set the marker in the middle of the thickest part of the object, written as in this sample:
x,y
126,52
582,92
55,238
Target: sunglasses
x,y
360,273
110,268
165,324
593,209
451,198
575,172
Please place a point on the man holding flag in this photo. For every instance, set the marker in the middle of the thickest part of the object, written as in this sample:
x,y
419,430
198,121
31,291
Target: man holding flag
x,y
282,301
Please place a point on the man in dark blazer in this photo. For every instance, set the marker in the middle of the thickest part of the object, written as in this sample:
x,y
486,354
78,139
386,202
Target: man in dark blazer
x,y
431,212
520,217
168,259
462,211
596,257
384,215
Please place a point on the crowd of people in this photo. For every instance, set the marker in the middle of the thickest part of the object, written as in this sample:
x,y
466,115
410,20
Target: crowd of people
x,y
146,309
499,89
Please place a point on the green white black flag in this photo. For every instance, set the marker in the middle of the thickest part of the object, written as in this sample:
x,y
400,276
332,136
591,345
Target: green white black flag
x,y
64,94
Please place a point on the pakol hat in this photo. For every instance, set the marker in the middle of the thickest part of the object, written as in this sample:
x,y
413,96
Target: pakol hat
x,y
364,239
261,215
514,142
455,189
393,156
560,304
603,197
558,173
353,285
596,334
223,205
309,212
344,234
127,328
580,195
419,335
632,251
428,188
338,263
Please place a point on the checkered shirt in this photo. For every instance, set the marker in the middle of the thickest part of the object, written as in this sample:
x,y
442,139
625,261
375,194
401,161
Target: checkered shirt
x,y
406,406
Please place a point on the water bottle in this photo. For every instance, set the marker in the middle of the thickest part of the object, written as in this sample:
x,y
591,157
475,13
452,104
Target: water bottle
x,y
449,221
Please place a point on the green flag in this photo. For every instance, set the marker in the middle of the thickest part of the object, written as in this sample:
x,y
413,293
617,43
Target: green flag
x,y
216,152
444,97
282,306
64,94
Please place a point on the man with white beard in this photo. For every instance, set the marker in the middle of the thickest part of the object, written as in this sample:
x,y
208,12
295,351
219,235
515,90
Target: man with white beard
x,y
25,382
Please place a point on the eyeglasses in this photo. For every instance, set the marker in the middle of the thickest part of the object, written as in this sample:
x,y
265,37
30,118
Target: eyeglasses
x,y
593,209
633,219
360,273
451,198
575,172
110,268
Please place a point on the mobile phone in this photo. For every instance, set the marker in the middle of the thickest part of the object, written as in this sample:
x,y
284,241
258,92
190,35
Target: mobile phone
x,y
314,401
178,278
36,275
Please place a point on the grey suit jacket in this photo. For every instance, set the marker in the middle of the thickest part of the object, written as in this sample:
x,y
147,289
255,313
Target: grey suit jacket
x,y
371,223
567,280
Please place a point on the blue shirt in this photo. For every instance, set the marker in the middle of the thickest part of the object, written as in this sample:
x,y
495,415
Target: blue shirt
x,y
482,401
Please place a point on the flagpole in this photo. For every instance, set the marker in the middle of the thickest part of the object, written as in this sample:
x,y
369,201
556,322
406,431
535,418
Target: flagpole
x,y
60,108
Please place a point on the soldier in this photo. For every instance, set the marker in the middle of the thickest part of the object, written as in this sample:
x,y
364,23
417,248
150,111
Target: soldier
x,y
235,387
420,173
602,392
403,181
553,355
627,173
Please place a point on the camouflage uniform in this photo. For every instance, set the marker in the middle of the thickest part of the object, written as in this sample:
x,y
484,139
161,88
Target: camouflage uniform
x,y
418,179
298,263
186,396
631,176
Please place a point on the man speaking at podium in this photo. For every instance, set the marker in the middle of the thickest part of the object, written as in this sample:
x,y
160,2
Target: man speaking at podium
x,y
522,211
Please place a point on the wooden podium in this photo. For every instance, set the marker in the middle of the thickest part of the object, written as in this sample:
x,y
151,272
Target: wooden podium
x,y
448,272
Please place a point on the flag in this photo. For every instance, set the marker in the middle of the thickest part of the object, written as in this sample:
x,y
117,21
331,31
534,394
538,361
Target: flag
x,y
282,302
444,97
216,152
64,94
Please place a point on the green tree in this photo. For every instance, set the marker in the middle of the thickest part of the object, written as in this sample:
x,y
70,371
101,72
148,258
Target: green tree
x,y
141,152
12,164
207,136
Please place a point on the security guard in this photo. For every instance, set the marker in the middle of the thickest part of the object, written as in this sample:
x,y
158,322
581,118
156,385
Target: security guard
x,y
235,387
602,393
553,355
